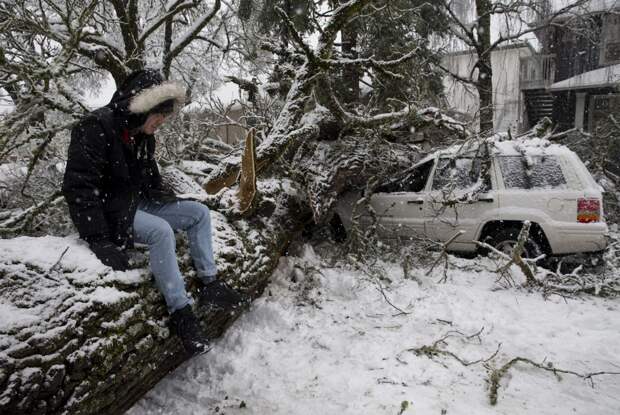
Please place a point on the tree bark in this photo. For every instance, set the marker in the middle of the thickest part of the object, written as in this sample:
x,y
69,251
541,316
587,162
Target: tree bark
x,y
351,73
484,83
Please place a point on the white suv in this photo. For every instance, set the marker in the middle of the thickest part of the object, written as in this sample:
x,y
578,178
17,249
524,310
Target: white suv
x,y
487,191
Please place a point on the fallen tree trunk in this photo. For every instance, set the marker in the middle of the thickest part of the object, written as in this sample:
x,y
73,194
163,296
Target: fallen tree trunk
x,y
84,340
78,338
81,339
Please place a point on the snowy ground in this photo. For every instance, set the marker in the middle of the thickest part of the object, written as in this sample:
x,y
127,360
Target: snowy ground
x,y
324,341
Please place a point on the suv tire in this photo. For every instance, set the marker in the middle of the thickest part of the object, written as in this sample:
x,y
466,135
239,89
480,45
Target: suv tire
x,y
505,239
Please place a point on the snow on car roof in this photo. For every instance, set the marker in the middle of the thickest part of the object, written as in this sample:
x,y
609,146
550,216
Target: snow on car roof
x,y
530,147
500,144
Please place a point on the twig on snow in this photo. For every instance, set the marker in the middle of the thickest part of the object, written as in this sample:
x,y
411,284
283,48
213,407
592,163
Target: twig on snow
x,y
55,267
387,300
444,256
496,375
434,349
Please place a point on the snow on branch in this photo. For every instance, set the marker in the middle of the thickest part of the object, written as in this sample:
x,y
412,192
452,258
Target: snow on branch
x,y
333,104
496,375
286,130
296,36
171,9
435,349
379,65
337,21
444,256
553,19
96,42
187,37
515,257
16,225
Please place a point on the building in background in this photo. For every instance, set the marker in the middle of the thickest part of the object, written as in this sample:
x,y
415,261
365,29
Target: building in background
x,y
585,70
223,123
569,72
507,103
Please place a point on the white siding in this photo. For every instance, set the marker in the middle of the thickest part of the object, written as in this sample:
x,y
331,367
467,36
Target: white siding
x,y
506,94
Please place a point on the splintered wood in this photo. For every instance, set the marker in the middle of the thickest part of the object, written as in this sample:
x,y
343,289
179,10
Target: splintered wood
x,y
247,175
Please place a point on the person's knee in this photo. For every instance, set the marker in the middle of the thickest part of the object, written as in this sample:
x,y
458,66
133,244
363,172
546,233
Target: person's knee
x,y
162,232
201,213
206,213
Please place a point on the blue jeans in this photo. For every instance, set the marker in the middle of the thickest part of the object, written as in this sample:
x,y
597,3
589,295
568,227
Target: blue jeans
x,y
154,225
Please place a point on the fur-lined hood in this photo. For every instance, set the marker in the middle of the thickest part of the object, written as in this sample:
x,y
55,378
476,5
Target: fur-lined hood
x,y
141,92
151,97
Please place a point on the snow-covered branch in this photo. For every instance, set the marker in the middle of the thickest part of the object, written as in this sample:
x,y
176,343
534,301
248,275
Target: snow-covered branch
x,y
173,8
296,36
552,19
186,38
339,18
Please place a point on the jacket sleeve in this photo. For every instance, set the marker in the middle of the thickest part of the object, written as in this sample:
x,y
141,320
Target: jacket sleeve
x,y
84,175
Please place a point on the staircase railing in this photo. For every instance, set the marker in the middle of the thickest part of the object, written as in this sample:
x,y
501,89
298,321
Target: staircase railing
x,y
537,71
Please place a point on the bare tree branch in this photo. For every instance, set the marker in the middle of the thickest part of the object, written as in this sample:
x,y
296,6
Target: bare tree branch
x,y
186,38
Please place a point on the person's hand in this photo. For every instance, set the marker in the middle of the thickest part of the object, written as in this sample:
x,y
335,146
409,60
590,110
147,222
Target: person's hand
x,y
111,255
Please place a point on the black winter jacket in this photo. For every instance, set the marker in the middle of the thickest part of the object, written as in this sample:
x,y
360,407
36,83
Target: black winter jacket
x,y
105,176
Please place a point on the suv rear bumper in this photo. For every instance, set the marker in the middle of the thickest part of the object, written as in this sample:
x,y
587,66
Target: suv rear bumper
x,y
566,238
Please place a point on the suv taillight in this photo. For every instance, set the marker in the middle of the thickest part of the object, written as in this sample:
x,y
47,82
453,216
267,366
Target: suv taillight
x,y
588,210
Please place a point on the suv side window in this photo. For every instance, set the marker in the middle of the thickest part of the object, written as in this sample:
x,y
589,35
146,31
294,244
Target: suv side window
x,y
534,172
460,173
411,181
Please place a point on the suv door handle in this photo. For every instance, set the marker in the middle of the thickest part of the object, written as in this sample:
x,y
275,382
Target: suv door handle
x,y
486,199
415,202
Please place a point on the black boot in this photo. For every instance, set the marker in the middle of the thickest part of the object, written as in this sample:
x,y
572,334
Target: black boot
x,y
220,296
184,324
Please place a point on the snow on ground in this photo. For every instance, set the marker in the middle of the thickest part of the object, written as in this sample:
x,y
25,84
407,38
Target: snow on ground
x,y
324,340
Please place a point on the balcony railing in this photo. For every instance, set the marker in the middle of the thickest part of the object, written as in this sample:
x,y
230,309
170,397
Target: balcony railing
x,y
537,71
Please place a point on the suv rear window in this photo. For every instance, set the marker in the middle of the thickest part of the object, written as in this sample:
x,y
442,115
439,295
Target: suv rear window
x,y
533,172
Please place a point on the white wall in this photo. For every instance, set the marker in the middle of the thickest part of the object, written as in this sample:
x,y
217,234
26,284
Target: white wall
x,y
6,103
504,24
506,94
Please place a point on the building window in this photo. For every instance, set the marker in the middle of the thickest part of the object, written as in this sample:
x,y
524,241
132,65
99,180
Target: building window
x,y
610,45
601,108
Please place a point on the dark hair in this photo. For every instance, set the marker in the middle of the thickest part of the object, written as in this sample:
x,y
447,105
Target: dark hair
x,y
165,108
137,81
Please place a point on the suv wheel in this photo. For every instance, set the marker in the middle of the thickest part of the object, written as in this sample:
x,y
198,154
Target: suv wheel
x,y
504,240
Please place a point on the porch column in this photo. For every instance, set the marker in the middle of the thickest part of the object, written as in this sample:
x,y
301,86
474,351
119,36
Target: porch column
x,y
580,107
